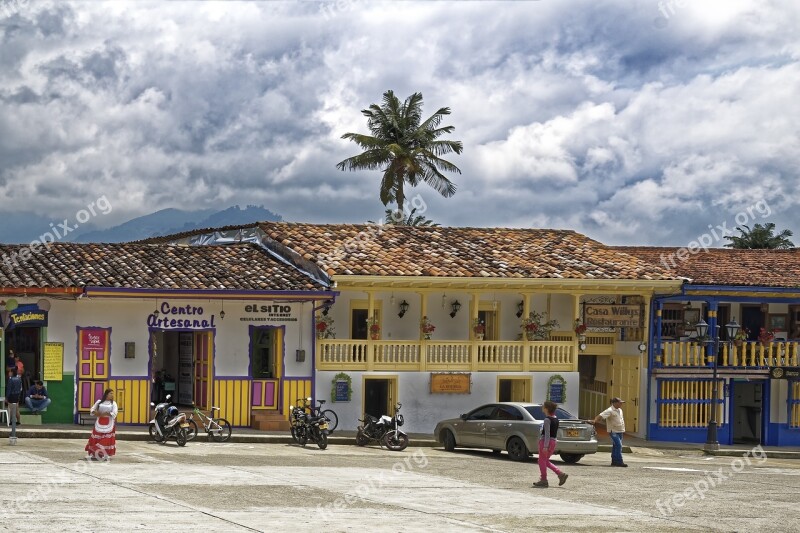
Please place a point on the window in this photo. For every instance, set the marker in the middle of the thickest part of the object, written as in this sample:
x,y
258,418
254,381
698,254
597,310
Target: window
x,y
507,412
482,413
537,412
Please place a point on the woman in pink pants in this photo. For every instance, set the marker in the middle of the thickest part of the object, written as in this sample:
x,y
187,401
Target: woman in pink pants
x,y
547,445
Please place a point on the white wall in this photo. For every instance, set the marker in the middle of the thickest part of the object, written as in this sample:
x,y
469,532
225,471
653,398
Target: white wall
x,y
421,409
129,322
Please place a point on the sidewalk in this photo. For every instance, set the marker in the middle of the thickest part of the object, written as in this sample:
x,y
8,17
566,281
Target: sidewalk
x,y
630,444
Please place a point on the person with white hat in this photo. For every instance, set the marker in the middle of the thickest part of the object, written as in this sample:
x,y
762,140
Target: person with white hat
x,y
615,424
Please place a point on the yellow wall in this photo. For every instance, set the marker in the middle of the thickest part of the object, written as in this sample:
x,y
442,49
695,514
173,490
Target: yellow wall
x,y
292,390
233,397
132,397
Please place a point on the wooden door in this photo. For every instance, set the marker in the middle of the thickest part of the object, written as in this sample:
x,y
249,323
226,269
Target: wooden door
x,y
203,368
625,384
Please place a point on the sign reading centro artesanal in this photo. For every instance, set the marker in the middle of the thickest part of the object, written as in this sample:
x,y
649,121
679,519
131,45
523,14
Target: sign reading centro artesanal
x,y
613,316
180,317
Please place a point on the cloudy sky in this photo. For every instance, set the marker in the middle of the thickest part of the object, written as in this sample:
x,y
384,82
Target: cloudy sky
x,y
632,121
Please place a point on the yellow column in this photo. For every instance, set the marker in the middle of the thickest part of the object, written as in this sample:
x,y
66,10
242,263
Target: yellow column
x,y
576,312
473,352
423,346
370,344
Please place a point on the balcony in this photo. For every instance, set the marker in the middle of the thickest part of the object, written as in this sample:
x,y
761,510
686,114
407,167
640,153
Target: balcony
x,y
688,354
556,354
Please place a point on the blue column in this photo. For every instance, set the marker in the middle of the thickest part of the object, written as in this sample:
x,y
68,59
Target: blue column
x,y
712,326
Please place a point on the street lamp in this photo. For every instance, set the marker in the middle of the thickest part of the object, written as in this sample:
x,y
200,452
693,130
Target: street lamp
x,y
712,443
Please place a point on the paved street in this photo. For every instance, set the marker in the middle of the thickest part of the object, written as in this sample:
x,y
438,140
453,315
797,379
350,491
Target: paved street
x,y
278,487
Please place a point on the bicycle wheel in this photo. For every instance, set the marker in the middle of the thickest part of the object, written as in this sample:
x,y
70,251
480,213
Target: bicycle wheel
x,y
220,430
333,419
191,431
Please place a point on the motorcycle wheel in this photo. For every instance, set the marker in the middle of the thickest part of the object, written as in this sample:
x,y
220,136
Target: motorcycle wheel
x,y
361,439
293,430
191,431
223,433
154,434
180,436
395,441
322,441
302,436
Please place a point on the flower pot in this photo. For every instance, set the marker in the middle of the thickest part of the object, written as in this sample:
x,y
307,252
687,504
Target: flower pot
x,y
479,336
375,336
530,335
427,336
738,343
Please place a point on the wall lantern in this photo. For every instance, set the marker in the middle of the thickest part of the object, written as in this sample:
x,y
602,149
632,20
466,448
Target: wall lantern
x,y
520,308
403,308
455,306
326,307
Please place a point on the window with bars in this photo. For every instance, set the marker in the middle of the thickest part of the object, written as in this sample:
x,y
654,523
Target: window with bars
x,y
688,403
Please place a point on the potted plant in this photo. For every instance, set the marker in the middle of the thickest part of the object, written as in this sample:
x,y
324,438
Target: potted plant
x,y
324,327
479,329
765,336
536,327
374,328
426,327
580,329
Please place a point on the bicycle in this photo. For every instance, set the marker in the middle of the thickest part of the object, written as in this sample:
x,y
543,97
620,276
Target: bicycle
x,y
218,429
329,414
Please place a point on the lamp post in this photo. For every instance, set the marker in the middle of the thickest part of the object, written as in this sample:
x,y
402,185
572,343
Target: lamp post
x,y
712,443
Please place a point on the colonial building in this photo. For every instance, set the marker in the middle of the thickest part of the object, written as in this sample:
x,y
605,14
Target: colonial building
x,y
433,317
220,325
760,290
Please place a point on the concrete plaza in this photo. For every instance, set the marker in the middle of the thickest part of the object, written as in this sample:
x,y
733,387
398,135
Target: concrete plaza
x,y
282,487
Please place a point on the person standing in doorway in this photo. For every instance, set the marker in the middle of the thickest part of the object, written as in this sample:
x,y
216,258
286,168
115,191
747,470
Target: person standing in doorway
x,y
103,441
13,395
615,424
547,445
11,363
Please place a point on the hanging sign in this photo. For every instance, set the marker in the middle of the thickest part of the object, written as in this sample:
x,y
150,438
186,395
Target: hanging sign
x,y
53,361
446,383
613,316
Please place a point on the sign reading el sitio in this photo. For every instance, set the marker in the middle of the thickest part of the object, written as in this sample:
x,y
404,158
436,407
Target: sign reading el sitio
x,y
613,316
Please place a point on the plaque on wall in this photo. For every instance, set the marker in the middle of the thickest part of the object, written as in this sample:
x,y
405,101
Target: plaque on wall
x,y
451,383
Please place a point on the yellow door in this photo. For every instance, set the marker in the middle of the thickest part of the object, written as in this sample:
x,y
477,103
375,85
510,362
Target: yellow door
x,y
625,384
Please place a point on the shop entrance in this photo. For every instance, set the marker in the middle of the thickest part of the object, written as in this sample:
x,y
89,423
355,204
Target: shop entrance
x,y
748,413
379,396
181,364
514,389
25,341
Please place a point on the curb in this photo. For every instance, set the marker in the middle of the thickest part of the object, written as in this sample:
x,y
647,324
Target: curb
x,y
742,453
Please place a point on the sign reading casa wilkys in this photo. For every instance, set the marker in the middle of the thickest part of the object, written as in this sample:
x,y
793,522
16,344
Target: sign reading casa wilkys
x,y
450,383
613,316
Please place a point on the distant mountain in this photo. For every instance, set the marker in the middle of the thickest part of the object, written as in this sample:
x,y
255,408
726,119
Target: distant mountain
x,y
168,221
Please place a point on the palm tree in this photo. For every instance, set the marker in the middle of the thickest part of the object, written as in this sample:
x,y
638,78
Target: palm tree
x,y
404,147
761,237
397,218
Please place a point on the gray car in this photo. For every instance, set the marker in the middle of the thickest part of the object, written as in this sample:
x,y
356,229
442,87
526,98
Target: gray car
x,y
515,427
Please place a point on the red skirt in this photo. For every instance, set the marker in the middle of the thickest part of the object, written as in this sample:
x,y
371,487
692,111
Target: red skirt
x,y
102,444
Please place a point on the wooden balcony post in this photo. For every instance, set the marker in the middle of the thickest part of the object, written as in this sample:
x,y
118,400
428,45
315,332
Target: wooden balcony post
x,y
473,349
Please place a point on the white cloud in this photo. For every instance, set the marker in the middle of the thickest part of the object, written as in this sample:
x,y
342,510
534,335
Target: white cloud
x,y
581,115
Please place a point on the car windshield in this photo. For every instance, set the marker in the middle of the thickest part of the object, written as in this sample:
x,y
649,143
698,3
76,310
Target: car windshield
x,y
537,412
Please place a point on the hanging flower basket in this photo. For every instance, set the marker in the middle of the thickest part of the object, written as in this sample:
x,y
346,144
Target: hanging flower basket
x,y
536,327
427,328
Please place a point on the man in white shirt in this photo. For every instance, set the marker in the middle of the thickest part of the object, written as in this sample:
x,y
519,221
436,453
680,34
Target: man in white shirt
x,y
615,424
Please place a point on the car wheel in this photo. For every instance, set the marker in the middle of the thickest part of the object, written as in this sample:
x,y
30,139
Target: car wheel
x,y
516,449
571,458
449,440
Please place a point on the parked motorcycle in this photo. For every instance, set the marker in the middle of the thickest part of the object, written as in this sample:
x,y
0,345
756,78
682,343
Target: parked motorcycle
x,y
385,430
305,427
168,423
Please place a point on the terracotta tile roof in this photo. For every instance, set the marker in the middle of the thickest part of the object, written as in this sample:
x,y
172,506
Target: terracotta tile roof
x,y
726,266
234,267
373,250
